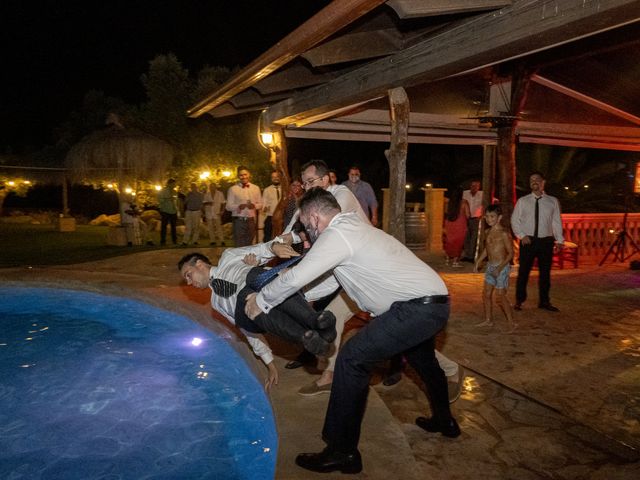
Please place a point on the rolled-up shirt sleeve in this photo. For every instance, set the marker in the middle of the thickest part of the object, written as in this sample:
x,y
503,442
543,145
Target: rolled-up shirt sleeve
x,y
329,250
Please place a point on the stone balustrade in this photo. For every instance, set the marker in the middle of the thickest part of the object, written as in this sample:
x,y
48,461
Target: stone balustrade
x,y
594,233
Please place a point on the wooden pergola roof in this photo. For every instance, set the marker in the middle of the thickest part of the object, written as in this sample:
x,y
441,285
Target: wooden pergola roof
x,y
330,77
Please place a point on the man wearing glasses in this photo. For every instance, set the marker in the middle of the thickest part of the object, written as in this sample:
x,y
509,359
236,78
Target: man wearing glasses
x,y
316,174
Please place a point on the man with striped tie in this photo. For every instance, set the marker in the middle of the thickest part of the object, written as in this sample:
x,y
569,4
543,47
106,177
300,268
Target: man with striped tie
x,y
234,278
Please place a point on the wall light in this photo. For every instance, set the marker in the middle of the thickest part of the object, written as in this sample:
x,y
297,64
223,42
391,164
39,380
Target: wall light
x,y
267,138
158,188
205,175
226,173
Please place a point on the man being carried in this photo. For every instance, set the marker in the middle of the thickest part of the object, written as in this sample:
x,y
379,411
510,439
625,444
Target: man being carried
x,y
235,277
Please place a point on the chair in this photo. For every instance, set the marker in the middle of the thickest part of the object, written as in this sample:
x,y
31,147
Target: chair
x,y
569,253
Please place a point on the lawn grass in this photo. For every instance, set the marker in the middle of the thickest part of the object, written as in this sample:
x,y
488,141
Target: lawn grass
x,y
34,245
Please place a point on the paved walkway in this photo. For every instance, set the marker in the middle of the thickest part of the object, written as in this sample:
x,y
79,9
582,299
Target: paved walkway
x,y
559,398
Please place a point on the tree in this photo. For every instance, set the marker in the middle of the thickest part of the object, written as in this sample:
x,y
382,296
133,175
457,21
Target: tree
x,y
91,115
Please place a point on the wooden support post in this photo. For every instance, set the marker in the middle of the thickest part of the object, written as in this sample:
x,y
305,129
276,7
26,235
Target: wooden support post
x,y
488,174
65,195
434,208
506,147
278,159
397,158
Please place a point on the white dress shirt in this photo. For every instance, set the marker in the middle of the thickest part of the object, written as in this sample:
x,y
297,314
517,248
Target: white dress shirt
x,y
232,269
475,202
214,204
327,284
549,220
270,198
345,198
237,195
373,267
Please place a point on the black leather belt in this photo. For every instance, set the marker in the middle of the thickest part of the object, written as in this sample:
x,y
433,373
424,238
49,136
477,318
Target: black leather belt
x,y
432,299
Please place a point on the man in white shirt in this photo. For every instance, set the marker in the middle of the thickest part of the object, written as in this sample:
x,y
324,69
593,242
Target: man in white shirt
x,y
270,199
214,203
294,320
536,221
316,174
474,197
410,304
244,200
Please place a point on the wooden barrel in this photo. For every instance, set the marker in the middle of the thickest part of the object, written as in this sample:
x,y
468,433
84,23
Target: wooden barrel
x,y
415,230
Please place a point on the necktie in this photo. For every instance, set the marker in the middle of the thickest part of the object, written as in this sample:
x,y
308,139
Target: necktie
x,y
246,185
278,194
537,218
268,275
223,288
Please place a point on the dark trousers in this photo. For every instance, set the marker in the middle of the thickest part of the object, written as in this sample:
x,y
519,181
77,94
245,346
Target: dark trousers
x,y
471,238
168,219
408,328
268,229
244,229
289,320
542,249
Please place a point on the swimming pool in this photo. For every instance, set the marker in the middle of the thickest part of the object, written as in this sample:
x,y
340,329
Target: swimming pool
x,y
101,387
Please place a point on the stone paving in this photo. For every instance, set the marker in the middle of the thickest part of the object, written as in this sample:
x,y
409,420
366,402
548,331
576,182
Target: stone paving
x,y
559,398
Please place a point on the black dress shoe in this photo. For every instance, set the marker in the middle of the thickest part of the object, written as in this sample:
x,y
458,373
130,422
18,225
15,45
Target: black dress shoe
x,y
314,343
304,358
392,379
448,428
548,306
517,306
326,323
330,461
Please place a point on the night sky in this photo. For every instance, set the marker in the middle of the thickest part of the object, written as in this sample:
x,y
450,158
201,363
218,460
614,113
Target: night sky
x,y
54,51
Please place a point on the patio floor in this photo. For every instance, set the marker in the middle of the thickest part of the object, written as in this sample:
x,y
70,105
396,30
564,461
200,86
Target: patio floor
x,y
558,398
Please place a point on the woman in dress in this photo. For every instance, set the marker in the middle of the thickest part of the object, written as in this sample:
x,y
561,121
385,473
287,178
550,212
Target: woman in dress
x,y
455,227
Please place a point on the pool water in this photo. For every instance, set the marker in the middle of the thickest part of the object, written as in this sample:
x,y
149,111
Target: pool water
x,y
100,387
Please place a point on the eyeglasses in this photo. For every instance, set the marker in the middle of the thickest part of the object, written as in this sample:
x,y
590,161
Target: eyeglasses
x,y
311,181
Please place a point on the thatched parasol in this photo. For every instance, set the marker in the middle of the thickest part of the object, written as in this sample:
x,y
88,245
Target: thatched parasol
x,y
119,154
124,155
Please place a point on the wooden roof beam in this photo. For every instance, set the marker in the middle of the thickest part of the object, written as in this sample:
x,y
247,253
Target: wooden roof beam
x,y
325,23
521,29
585,98
420,8
355,46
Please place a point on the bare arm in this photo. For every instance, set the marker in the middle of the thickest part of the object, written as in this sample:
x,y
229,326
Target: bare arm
x,y
508,247
481,258
273,378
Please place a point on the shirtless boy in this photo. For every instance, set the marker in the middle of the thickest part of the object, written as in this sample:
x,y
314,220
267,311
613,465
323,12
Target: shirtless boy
x,y
498,248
